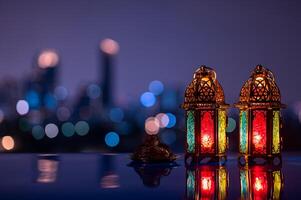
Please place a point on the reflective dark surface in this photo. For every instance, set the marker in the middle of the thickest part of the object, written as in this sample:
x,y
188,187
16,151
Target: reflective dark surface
x,y
99,176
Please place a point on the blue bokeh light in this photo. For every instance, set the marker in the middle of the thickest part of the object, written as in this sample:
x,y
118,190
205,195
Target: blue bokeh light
x,y
116,115
148,99
93,91
33,99
112,139
172,120
156,87
50,101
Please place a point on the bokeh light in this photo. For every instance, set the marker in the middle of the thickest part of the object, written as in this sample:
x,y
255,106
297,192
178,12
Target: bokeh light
x,y
156,87
148,99
63,113
60,93
109,46
93,91
231,125
163,119
50,101
112,139
152,126
48,58
68,129
38,132
51,130
33,99
168,137
172,120
22,107
116,115
82,128
24,124
8,143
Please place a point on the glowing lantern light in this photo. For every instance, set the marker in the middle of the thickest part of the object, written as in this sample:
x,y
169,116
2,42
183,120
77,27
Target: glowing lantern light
x,y
207,182
261,182
259,105
206,118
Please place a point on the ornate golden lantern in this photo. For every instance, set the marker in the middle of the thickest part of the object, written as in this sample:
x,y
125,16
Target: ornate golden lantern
x,y
206,118
259,115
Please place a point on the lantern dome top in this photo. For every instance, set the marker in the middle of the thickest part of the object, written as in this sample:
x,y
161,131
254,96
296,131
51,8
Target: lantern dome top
x,y
260,90
204,90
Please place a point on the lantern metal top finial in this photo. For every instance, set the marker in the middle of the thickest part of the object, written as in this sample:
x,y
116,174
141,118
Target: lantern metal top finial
x,y
260,90
204,91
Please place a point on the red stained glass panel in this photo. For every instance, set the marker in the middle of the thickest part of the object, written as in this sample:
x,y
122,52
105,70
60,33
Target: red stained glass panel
x,y
207,132
259,184
259,135
206,184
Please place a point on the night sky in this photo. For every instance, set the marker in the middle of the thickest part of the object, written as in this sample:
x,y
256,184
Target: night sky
x,y
163,40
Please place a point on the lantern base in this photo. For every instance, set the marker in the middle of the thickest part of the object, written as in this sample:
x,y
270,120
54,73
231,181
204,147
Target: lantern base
x,y
191,159
274,160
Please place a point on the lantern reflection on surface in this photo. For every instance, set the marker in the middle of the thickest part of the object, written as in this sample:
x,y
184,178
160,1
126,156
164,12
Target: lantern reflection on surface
x,y
259,105
206,118
261,182
206,182
47,168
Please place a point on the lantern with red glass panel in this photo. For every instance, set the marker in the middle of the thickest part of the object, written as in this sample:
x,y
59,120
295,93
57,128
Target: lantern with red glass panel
x,y
260,120
207,182
206,118
261,182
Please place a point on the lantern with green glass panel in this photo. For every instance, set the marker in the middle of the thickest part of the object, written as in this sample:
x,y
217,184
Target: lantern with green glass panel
x,y
260,119
206,118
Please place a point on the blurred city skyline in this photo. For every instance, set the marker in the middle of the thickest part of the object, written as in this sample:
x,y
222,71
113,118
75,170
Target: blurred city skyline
x,y
159,40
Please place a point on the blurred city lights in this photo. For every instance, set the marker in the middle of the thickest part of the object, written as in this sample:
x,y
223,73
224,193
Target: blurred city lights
x,y
60,93
38,132
33,99
116,115
63,113
109,46
168,137
51,130
93,91
156,87
48,58
68,129
163,119
152,126
8,143
231,125
82,128
148,99
112,139
172,120
22,107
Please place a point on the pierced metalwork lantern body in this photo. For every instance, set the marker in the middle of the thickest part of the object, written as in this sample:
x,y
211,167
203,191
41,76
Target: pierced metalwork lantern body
x,y
206,117
207,182
261,182
259,116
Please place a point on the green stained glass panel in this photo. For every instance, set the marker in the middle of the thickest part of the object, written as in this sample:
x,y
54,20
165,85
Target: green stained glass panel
x,y
243,132
190,131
